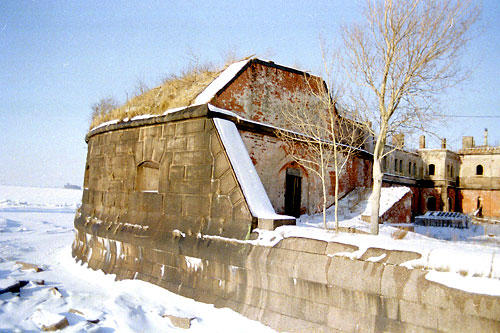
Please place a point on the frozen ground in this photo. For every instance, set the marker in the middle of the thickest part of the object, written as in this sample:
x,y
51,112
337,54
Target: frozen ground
x,y
36,226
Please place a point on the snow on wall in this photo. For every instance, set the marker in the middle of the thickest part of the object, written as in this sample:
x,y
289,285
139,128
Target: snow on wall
x,y
247,176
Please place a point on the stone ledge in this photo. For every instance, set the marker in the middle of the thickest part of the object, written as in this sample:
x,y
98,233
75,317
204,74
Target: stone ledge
x,y
271,224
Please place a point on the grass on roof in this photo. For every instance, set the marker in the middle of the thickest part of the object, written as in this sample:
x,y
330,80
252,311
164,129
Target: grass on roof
x,y
175,91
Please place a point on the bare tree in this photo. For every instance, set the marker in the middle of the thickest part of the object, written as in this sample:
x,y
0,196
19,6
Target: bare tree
x,y
401,59
320,134
104,106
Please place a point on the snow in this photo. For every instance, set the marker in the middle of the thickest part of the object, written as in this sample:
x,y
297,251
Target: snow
x,y
388,196
18,198
469,284
43,236
220,82
247,176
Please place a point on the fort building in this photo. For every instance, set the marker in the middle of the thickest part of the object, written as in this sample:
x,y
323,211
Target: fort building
x,y
175,199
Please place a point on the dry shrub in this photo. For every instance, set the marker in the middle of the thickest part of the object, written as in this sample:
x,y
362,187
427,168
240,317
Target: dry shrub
x,y
399,234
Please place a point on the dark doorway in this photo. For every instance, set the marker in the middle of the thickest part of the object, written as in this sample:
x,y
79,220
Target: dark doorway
x,y
431,203
293,192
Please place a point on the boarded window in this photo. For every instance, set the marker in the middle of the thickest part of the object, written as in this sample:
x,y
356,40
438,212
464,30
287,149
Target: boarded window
x,y
147,177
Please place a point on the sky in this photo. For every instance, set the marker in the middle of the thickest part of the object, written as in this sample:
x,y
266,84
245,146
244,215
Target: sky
x,y
59,57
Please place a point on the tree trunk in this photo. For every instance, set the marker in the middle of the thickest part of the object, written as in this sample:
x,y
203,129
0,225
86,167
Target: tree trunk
x,y
336,194
378,152
375,197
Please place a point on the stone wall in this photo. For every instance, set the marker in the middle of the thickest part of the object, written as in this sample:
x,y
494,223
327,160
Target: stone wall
x,y
298,284
194,188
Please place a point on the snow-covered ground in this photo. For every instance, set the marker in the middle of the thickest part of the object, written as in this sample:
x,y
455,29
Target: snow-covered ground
x,y
36,226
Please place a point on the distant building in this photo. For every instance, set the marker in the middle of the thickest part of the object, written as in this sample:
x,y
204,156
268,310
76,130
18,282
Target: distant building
x,y
466,181
72,187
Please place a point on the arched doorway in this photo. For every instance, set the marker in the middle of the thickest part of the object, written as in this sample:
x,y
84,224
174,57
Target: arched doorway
x,y
293,191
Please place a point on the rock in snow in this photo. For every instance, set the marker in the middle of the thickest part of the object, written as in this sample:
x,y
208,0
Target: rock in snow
x,y
48,321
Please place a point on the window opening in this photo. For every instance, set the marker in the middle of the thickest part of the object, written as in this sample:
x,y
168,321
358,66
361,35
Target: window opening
x,y
479,170
432,169
147,177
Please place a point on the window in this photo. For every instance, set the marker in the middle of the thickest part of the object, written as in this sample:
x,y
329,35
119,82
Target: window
x,y
432,169
147,177
401,166
396,165
479,170
409,168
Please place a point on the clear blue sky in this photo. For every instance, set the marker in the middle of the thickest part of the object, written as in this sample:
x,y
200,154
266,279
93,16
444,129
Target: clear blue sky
x,y
59,57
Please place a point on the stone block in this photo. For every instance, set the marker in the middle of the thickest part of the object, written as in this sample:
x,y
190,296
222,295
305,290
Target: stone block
x,y
303,245
172,203
452,320
221,165
419,314
215,144
227,183
257,258
158,148
177,143
281,262
242,212
152,201
190,126
197,142
311,267
271,224
195,205
199,172
334,247
221,207
355,275
168,130
236,195
190,158
177,172
180,322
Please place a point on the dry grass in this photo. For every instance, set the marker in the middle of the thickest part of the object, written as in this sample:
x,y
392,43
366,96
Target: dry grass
x,y
175,91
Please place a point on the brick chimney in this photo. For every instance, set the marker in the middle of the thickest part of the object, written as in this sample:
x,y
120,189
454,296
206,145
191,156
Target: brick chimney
x,y
422,142
443,143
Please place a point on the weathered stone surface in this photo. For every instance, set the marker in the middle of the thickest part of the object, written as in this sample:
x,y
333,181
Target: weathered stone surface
x,y
28,266
180,322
